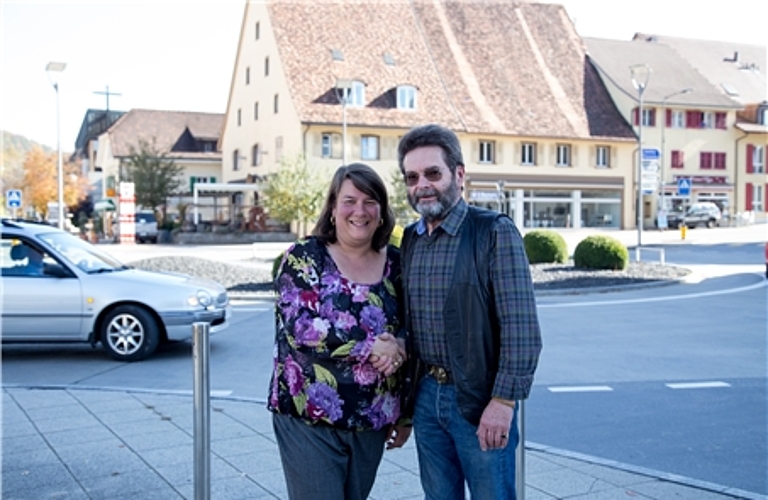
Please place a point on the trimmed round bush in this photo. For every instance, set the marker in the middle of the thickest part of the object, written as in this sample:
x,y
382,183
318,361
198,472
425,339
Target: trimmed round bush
x,y
397,236
544,247
601,252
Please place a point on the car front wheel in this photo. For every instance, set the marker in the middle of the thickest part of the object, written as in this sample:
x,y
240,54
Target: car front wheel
x,y
129,333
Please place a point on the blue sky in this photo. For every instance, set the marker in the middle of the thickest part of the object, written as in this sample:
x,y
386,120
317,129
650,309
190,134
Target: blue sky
x,y
179,55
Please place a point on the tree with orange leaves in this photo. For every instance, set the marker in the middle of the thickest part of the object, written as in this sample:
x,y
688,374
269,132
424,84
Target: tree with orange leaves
x,y
41,181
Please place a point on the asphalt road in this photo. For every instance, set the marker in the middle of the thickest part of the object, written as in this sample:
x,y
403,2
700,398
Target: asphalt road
x,y
602,385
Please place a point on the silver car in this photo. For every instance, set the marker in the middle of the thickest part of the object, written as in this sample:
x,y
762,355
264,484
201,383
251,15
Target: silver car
x,y
57,288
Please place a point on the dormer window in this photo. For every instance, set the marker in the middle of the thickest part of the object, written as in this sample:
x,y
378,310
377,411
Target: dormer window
x,y
406,97
762,114
351,91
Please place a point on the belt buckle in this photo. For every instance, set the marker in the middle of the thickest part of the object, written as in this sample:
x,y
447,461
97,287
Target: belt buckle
x,y
439,374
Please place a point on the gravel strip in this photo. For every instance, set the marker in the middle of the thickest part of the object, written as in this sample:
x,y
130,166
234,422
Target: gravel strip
x,y
247,278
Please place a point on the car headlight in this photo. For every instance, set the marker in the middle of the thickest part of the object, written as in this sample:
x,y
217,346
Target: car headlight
x,y
201,298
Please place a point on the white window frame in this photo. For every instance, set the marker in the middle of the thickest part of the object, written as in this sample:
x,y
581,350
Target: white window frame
x,y
487,152
762,119
603,156
256,155
355,95
406,97
369,147
236,160
678,119
757,197
330,145
758,154
707,119
647,117
563,157
528,154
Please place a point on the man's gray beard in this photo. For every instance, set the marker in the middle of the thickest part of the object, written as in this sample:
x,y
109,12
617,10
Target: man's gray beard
x,y
437,210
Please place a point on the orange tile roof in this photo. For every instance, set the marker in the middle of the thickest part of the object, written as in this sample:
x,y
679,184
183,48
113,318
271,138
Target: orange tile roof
x,y
492,67
165,127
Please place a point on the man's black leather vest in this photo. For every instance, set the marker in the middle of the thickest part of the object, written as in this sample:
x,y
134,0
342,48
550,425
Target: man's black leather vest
x,y
469,317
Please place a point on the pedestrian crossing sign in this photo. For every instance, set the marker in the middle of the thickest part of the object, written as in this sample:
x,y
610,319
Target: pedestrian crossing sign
x,y
13,198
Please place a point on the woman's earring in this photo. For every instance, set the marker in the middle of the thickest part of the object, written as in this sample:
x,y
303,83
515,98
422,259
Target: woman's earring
x,y
333,220
381,222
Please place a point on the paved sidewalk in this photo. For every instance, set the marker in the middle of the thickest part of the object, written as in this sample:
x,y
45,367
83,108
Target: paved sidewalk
x,y
91,443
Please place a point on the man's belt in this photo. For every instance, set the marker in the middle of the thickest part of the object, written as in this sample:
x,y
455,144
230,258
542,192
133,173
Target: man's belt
x,y
440,374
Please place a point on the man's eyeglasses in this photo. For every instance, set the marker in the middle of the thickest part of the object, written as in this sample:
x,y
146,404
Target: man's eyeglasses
x,y
432,174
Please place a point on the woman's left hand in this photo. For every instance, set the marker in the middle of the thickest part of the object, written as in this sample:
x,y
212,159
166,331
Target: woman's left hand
x,y
388,354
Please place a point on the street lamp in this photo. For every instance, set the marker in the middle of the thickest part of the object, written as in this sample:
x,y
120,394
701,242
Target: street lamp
x,y
500,194
53,69
662,198
343,91
641,73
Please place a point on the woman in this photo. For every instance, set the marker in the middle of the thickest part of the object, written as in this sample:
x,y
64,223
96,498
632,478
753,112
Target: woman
x,y
339,344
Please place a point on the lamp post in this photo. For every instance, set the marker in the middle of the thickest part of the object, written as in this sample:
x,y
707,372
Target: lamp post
x,y
53,68
500,195
343,89
662,198
641,73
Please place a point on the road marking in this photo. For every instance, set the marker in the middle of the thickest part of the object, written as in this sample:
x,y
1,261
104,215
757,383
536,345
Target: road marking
x,y
761,284
252,309
697,385
581,388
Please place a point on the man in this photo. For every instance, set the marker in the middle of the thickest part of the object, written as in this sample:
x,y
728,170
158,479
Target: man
x,y
474,330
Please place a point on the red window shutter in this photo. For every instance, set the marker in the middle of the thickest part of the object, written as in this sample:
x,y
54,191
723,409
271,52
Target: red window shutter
x,y
705,161
691,119
720,161
677,159
748,197
750,154
668,118
636,116
720,120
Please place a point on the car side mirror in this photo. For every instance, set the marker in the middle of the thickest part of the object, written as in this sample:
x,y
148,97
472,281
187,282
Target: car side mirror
x,y
56,271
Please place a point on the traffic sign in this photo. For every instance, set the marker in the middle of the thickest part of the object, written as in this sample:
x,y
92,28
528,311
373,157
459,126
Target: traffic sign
x,y
684,186
651,154
13,198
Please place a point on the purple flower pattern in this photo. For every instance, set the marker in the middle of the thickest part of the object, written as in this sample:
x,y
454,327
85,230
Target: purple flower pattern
x,y
325,330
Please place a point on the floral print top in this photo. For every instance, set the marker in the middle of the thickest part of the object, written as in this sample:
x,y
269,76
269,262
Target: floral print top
x,y
324,333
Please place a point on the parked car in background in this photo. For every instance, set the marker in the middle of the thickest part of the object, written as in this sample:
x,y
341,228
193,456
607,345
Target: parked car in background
x,y
59,288
703,213
146,226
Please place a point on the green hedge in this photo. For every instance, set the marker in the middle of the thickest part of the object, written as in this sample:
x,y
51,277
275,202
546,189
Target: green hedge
x,y
544,246
601,252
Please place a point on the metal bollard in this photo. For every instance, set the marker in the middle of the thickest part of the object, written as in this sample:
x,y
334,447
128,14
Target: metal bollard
x,y
202,410
683,230
520,453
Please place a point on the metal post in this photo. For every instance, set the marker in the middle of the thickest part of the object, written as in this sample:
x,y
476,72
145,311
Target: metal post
x,y
202,410
520,453
641,73
60,163
640,175
344,130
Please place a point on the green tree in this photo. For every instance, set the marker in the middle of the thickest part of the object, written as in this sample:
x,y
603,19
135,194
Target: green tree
x,y
155,177
295,193
398,198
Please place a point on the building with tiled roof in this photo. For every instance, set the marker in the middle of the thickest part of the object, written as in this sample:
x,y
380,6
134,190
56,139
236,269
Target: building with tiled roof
x,y
190,139
705,110
542,138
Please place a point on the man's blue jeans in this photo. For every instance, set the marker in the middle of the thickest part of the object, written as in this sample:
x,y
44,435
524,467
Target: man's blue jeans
x,y
450,454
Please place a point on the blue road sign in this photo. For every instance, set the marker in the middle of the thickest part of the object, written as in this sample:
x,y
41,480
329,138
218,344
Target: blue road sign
x,y
684,186
651,154
13,198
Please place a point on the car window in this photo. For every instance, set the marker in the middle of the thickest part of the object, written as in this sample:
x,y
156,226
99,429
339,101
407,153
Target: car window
x,y
23,258
81,254
145,217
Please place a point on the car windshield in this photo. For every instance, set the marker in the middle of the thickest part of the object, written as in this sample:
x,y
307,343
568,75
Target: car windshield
x,y
81,254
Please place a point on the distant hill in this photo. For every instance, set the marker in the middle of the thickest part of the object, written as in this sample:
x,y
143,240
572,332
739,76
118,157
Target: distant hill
x,y
15,149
